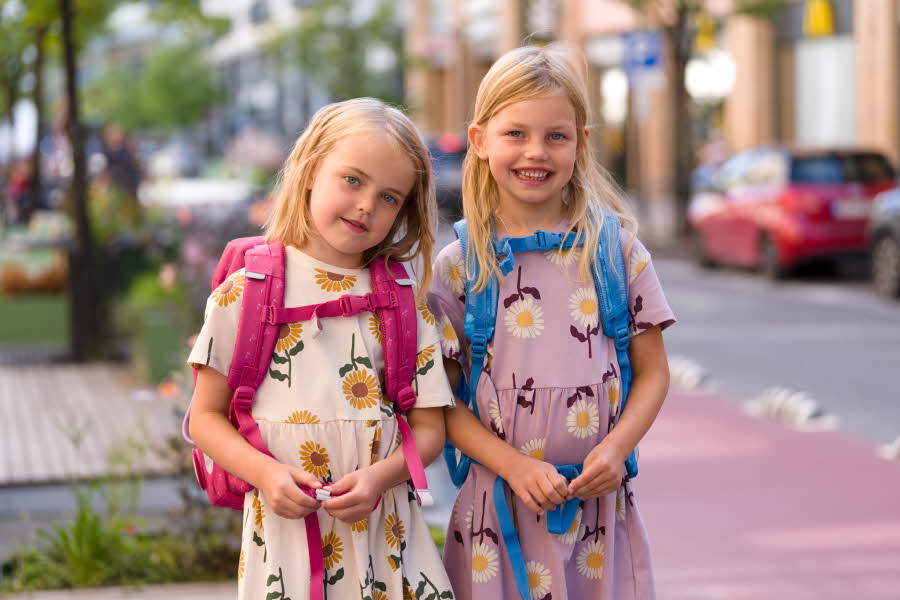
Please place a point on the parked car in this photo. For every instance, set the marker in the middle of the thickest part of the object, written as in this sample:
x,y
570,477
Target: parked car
x,y
447,154
774,208
884,243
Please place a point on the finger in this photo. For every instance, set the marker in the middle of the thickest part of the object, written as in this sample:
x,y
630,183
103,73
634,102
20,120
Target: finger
x,y
542,499
341,486
297,497
561,485
528,501
342,502
550,492
302,477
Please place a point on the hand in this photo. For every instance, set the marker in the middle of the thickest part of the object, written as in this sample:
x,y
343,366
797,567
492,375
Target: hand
x,y
603,470
537,483
354,495
280,485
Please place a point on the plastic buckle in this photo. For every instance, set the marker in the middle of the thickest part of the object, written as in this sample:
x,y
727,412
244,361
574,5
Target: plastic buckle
x,y
243,396
622,338
322,495
478,344
424,498
353,305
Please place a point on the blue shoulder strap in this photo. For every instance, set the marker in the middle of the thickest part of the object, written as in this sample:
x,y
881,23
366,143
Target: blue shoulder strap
x,y
612,294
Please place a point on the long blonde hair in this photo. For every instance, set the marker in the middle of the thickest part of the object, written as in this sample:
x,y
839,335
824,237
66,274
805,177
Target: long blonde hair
x,y
522,74
412,235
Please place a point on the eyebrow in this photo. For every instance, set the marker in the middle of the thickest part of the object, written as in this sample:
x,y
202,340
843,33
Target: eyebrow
x,y
554,126
367,176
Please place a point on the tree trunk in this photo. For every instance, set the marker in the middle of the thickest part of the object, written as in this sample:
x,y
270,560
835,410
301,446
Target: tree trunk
x,y
682,139
35,182
84,298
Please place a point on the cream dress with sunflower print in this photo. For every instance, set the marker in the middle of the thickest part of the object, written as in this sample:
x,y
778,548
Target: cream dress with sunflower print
x,y
321,408
550,389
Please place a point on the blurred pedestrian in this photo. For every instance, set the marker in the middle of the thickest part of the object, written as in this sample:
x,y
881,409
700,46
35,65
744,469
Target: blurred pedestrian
x,y
122,170
355,190
537,273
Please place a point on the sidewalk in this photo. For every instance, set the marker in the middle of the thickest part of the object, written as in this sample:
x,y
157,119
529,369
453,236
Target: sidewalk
x,y
737,508
740,508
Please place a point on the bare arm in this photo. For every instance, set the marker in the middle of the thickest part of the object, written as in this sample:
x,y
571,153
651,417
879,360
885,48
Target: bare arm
x,y
604,465
217,437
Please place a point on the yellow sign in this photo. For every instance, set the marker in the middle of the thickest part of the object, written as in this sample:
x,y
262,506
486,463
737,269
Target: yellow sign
x,y
818,18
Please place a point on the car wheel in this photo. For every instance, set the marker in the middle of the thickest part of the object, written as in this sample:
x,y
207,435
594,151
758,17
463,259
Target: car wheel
x,y
769,262
699,252
886,266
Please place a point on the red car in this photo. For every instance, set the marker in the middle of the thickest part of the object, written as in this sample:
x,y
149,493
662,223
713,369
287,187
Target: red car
x,y
773,208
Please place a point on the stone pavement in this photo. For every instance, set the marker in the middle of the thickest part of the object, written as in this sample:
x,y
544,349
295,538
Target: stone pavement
x,y
737,508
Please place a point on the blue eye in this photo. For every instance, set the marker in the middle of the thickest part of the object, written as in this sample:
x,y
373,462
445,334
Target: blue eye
x,y
556,137
515,133
389,199
351,180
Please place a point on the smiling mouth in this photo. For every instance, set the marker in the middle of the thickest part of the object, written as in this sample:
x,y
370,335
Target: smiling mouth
x,y
532,174
355,225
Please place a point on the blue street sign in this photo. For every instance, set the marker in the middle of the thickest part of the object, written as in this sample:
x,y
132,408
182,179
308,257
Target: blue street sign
x,y
642,50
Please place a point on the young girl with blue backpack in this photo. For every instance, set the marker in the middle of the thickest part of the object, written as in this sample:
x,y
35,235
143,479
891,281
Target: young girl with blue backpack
x,y
315,351
551,317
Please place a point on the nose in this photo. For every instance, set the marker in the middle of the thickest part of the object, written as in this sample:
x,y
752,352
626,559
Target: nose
x,y
536,150
365,203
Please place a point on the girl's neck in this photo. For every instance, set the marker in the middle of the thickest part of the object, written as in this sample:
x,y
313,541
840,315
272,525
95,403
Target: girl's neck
x,y
318,249
524,219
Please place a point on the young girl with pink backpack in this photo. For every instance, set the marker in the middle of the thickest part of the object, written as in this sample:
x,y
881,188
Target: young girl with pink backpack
x,y
315,350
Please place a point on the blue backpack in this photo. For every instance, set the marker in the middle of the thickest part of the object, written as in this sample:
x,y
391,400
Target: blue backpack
x,y
478,324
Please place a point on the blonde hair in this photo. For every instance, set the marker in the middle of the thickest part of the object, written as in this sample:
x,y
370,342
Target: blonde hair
x,y
522,74
412,235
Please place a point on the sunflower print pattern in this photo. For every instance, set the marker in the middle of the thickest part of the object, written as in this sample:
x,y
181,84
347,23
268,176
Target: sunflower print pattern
x,y
322,408
230,290
551,390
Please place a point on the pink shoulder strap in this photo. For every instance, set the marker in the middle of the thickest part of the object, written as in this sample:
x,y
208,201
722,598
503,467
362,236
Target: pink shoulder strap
x,y
400,328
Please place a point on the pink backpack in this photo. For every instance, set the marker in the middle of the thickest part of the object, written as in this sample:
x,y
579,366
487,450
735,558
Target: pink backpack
x,y
262,315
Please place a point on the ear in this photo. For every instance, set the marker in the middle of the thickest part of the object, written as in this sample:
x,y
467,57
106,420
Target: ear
x,y
580,149
476,139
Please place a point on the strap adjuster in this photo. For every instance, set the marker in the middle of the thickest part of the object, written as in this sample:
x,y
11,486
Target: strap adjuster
x,y
622,338
478,342
269,315
353,305
243,396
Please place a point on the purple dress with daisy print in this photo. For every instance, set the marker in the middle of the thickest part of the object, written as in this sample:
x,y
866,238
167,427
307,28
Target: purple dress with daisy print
x,y
321,408
551,389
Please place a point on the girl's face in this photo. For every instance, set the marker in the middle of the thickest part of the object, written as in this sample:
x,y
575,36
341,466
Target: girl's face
x,y
357,191
531,148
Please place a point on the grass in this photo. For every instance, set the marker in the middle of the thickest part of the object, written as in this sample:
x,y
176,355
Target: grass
x,y
34,319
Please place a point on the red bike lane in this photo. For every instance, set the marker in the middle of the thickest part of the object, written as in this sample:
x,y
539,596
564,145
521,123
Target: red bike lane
x,y
739,507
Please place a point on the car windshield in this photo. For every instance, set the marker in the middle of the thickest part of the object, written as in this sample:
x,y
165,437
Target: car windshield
x,y
835,168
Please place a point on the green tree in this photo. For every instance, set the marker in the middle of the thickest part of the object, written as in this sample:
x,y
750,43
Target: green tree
x,y
339,49
675,20
174,89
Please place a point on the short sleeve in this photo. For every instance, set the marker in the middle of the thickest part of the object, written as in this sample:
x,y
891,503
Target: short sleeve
x,y
446,299
648,306
215,342
432,387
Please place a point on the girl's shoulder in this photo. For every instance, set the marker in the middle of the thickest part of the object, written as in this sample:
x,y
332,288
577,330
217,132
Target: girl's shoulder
x,y
451,251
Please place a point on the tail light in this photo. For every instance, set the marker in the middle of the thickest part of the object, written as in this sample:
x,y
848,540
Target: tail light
x,y
800,201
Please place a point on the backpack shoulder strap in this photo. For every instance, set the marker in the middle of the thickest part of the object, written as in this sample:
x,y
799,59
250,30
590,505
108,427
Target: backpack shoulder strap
x,y
232,258
399,328
610,282
256,337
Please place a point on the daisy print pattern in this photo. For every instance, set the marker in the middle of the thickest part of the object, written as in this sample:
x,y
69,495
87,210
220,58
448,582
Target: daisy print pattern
x,y
539,579
637,262
583,307
583,419
620,504
590,560
334,282
332,547
563,257
230,289
524,319
484,563
534,448
454,274
375,328
288,336
426,314
574,532
613,393
393,530
496,417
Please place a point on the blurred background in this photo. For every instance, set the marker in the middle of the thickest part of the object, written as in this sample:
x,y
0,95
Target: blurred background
x,y
756,139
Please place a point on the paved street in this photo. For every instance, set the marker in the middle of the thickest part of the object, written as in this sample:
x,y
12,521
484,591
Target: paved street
x,y
830,337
